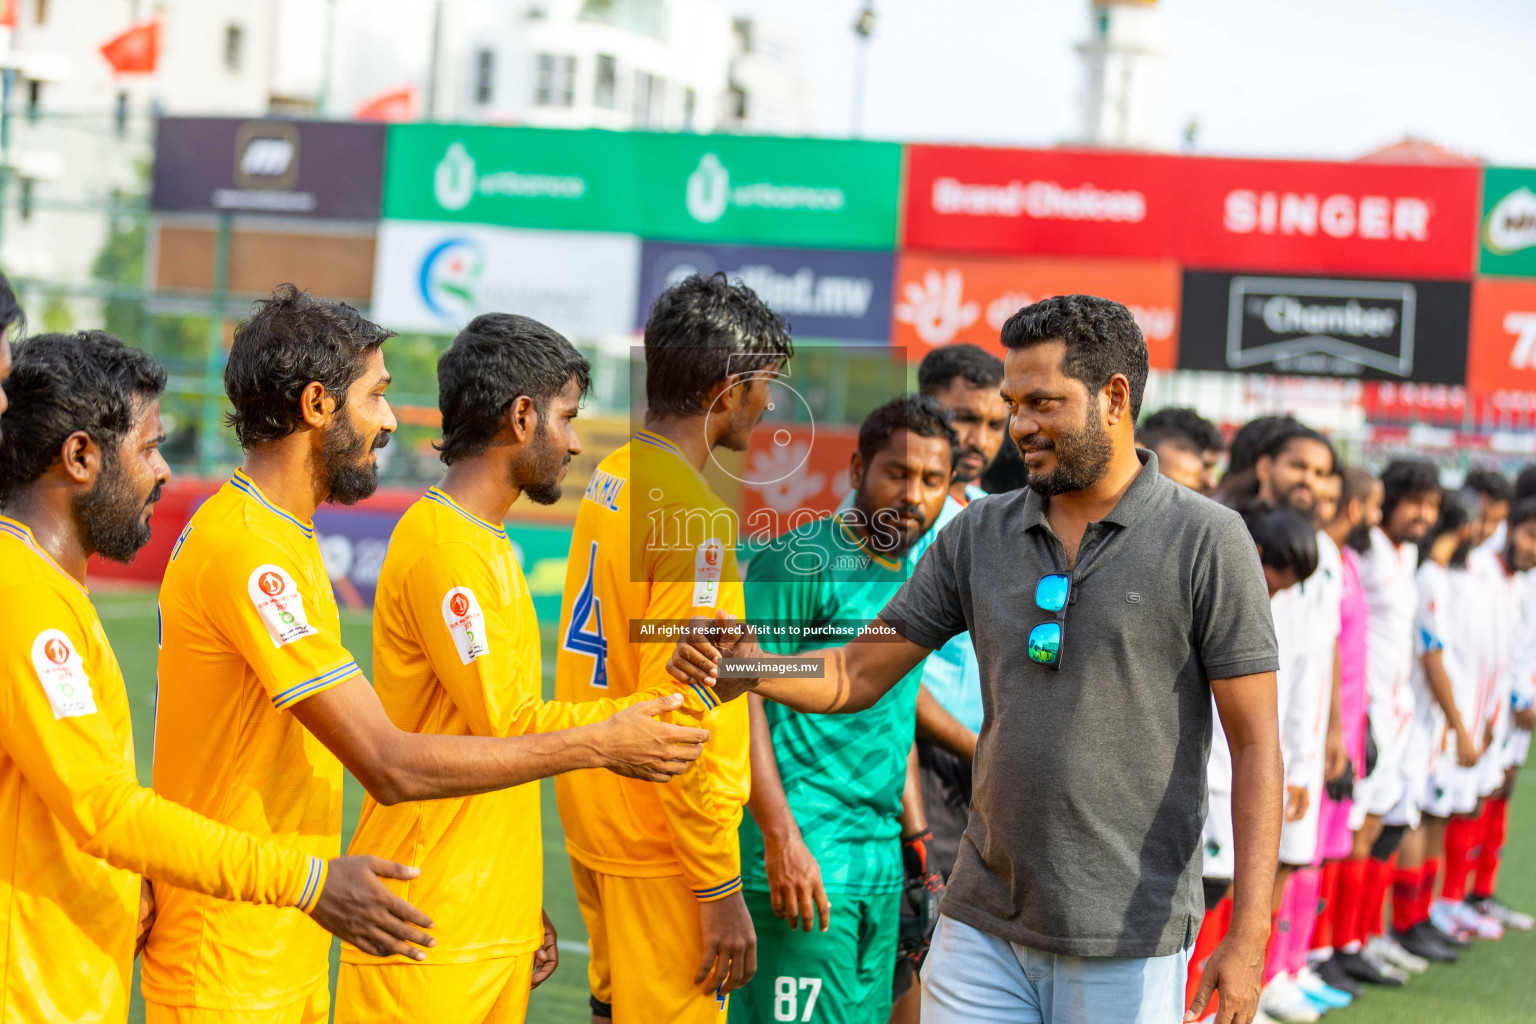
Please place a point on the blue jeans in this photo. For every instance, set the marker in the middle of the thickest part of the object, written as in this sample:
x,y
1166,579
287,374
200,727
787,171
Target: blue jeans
x,y
971,977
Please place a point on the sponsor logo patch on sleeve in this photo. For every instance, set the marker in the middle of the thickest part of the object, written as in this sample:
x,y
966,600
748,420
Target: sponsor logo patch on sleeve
x,y
61,670
708,560
466,623
279,604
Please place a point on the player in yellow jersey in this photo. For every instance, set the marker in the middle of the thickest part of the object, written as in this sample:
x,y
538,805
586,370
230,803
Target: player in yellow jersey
x,y
260,705
653,542
80,469
456,650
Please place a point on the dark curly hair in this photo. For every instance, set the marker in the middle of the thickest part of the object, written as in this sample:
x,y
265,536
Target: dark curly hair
x,y
971,363
1184,427
921,414
63,383
494,361
1285,538
1101,335
701,331
290,340
1403,479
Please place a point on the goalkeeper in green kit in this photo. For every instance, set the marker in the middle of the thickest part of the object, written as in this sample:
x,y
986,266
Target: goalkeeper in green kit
x,y
834,840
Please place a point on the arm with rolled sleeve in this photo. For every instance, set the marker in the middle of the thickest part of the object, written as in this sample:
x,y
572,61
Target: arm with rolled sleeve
x,y
77,766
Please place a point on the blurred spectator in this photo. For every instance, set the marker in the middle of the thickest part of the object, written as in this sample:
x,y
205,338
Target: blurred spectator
x,y
1525,483
1188,447
964,379
1251,439
1492,494
1007,472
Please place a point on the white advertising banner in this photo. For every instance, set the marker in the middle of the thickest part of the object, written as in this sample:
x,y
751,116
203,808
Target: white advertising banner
x,y
436,277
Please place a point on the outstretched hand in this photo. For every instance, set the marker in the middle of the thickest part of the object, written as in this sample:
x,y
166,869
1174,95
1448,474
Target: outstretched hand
x,y
635,743
703,644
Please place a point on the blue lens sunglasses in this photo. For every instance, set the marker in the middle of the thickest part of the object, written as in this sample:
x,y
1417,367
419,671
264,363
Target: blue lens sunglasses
x,y
1052,594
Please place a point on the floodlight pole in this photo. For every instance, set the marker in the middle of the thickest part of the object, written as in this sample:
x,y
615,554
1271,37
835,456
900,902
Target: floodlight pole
x,y
863,27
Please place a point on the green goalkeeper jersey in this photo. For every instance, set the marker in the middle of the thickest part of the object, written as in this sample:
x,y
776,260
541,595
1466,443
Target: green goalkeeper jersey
x,y
843,774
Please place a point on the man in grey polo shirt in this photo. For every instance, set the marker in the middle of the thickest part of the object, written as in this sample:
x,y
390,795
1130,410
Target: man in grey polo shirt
x,y
1077,892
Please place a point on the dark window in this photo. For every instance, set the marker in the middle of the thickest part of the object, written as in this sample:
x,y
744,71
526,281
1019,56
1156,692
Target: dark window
x,y
485,76
234,47
605,88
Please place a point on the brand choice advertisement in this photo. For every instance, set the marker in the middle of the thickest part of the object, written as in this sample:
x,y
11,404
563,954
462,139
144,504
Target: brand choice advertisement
x,y
822,293
1384,330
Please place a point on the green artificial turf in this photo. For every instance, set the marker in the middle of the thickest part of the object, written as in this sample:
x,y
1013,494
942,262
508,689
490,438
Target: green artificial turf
x,y
1491,984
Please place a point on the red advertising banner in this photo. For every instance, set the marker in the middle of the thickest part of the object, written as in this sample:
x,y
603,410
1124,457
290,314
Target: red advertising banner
x,y
1502,352
945,299
1328,218
794,473
1072,202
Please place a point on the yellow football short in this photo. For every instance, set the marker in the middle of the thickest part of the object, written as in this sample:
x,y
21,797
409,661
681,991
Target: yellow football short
x,y
484,992
313,1009
646,944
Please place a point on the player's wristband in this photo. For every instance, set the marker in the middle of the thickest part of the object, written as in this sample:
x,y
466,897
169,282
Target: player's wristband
x,y
914,852
314,885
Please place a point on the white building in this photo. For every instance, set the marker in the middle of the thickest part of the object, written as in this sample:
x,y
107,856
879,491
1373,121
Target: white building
x,y
78,131
668,65
1126,78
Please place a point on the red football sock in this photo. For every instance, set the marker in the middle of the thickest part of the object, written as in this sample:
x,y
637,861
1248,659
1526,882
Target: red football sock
x,y
1405,896
1426,889
1212,930
1328,884
1378,875
1495,828
1461,834
1349,903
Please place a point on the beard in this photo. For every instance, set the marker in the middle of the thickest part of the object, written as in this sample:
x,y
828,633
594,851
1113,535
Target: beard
x,y
350,476
883,531
1082,456
546,460
111,515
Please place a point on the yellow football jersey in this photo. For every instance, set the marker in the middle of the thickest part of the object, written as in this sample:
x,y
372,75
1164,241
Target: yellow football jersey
x,y
249,627
679,562
456,652
76,828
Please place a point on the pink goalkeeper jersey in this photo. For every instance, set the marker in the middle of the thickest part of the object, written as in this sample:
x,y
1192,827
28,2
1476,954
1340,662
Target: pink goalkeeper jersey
x,y
1355,617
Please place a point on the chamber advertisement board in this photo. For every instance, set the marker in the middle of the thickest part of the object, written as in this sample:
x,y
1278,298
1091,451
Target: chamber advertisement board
x,y
1374,329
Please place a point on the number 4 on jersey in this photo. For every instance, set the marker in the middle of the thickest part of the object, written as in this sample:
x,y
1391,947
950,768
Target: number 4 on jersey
x,y
580,640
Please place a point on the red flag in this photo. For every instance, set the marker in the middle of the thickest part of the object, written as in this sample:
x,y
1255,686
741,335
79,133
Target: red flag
x,y
136,50
393,105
